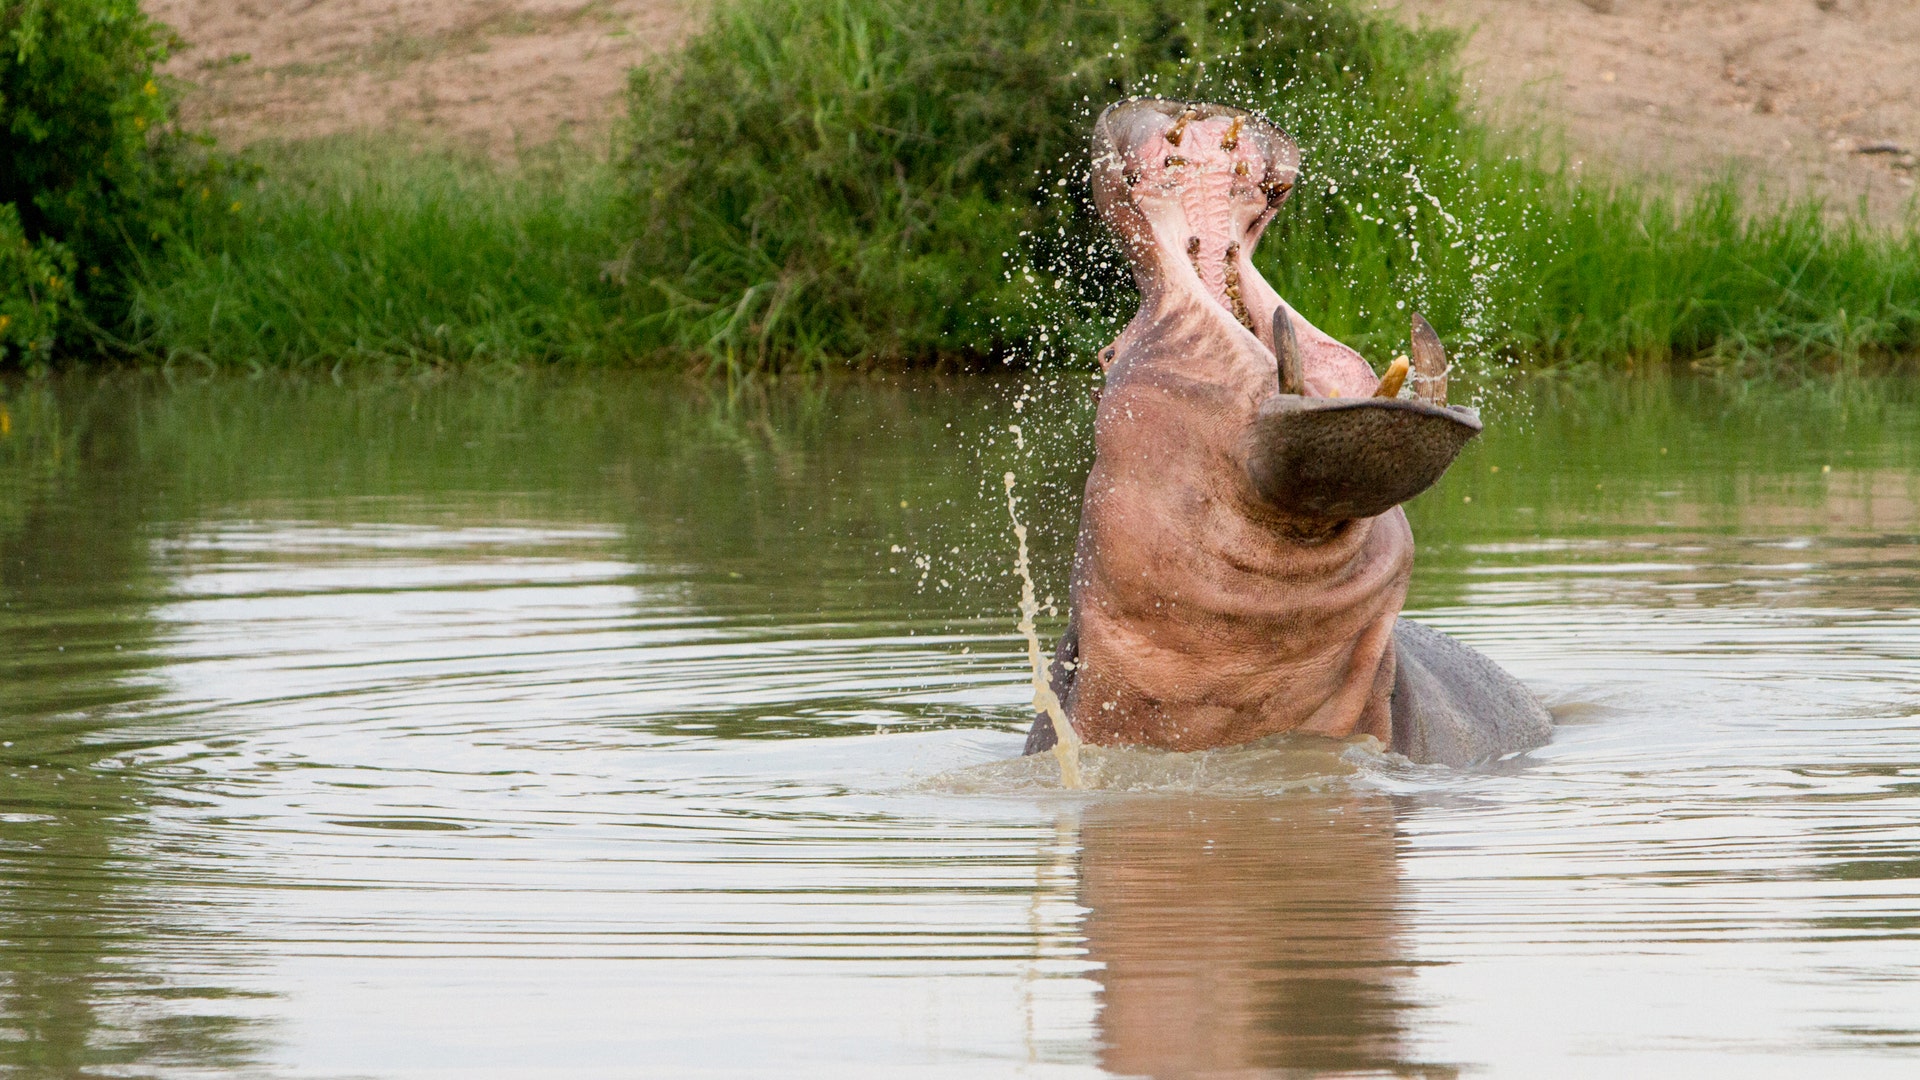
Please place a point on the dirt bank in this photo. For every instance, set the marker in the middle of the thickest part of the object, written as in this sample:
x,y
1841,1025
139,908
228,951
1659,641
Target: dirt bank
x,y
1787,91
496,73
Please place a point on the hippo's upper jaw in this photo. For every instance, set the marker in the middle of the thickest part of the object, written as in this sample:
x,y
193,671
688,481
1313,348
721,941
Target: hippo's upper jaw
x,y
1190,188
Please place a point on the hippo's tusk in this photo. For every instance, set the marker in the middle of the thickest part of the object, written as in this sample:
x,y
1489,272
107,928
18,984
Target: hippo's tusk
x,y
1429,363
1286,346
1394,379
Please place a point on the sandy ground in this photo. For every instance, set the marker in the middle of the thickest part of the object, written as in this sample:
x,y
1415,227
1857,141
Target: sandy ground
x,y
1800,95
496,73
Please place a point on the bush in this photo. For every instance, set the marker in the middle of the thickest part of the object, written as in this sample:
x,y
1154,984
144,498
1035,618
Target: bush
x,y
92,172
871,182
846,180
36,286
356,255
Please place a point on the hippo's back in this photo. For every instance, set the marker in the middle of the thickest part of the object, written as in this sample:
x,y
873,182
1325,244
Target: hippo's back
x,y
1453,706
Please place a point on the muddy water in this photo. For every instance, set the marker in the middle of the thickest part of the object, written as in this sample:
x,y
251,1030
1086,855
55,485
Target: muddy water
x,y
613,727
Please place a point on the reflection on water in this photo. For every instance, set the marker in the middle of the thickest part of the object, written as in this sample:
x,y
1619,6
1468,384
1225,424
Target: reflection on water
x,y
75,867
616,726
1238,935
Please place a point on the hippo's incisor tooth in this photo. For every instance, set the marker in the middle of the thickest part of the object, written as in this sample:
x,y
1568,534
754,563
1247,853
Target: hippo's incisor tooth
x,y
1231,140
1242,169
1286,348
1179,128
1429,363
1394,379
1173,162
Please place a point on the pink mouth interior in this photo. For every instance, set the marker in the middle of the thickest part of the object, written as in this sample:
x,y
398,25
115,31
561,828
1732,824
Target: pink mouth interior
x,y
1213,169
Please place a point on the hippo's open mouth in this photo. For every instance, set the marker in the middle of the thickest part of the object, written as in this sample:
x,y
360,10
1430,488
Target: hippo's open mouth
x,y
1190,187
1207,178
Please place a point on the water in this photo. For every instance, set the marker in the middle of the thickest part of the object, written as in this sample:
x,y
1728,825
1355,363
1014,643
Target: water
x,y
595,727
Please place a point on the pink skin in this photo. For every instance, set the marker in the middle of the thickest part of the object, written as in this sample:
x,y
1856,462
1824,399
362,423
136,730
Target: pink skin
x,y
1206,616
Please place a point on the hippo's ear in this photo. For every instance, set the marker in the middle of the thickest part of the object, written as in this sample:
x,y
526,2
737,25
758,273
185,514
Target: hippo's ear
x,y
1332,459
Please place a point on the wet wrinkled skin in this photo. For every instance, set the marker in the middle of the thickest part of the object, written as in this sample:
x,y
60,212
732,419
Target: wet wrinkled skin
x,y
1242,557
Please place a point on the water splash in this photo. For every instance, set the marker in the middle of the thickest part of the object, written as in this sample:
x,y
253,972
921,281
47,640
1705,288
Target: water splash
x,y
1066,741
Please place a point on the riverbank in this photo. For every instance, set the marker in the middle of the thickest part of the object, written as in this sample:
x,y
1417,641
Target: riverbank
x,y
933,208
1802,99
934,212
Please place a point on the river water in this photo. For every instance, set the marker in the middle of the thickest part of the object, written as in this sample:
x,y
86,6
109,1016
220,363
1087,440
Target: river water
x,y
603,725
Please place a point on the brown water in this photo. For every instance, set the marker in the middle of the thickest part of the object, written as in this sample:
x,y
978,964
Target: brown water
x,y
593,726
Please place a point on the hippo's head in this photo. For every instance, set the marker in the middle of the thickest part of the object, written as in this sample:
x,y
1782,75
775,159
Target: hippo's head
x,y
1189,188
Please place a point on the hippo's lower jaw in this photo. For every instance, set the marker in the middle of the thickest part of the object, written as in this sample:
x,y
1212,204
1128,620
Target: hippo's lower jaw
x,y
1334,459
1324,460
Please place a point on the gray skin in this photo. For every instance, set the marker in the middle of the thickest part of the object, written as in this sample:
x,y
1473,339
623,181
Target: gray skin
x,y
1242,557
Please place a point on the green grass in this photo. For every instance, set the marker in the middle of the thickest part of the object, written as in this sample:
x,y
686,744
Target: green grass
x,y
1725,285
351,255
886,182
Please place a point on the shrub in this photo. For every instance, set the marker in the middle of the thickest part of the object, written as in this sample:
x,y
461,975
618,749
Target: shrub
x,y
91,168
866,182
354,254
843,179
36,286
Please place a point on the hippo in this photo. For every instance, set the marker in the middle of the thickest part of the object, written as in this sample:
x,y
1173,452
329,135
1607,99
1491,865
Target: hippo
x,y
1242,556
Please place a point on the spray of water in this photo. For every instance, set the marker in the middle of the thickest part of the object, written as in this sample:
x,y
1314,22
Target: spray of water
x,y
1066,741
